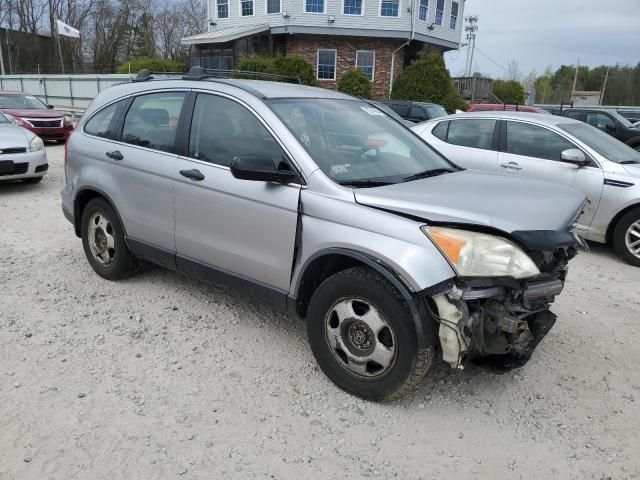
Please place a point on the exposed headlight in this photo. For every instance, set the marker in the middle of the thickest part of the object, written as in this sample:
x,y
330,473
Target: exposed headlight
x,y
480,255
36,144
15,121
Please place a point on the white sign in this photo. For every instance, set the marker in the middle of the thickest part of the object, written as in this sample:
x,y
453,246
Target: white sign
x,y
66,30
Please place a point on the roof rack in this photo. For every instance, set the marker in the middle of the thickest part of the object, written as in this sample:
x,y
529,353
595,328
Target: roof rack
x,y
200,73
145,75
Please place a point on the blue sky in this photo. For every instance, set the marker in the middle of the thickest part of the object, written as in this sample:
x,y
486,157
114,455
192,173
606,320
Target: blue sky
x,y
551,32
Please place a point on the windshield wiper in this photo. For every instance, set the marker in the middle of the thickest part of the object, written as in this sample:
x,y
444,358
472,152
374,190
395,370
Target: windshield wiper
x,y
364,183
428,173
628,162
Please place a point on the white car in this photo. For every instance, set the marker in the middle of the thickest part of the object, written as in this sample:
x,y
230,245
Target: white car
x,y
555,149
22,153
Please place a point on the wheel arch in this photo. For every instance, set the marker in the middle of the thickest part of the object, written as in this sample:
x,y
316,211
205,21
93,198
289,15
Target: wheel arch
x,y
82,198
614,221
330,261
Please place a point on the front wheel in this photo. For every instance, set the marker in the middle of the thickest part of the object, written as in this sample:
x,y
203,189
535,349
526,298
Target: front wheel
x,y
363,337
626,237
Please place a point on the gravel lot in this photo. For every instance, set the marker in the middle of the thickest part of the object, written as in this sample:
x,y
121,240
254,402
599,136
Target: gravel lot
x,y
162,377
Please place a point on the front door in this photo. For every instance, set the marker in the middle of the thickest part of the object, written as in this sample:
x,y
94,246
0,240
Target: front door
x,y
240,229
533,151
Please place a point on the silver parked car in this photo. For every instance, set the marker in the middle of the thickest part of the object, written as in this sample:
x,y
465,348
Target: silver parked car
x,y
327,208
555,149
22,153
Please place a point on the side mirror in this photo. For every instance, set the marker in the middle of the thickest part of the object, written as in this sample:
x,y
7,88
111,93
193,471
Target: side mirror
x,y
574,156
50,107
260,169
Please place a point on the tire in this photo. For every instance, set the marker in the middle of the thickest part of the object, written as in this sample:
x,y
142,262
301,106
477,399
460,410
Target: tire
x,y
625,234
103,241
32,180
342,326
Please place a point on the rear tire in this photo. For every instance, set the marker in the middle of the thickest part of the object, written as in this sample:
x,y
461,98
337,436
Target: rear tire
x,y
103,241
626,237
362,335
32,180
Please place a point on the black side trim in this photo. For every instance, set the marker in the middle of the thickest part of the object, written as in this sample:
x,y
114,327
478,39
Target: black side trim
x,y
617,183
418,312
152,253
208,273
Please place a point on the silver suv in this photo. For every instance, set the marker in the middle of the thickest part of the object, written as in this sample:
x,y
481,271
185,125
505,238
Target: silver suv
x,y
327,208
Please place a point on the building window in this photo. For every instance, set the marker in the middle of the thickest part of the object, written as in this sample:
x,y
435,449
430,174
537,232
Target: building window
x,y
352,7
326,64
365,61
273,6
246,8
423,10
390,8
453,21
439,11
223,8
314,6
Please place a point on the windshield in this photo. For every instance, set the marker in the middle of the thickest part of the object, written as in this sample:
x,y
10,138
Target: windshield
x,y
356,144
604,144
436,111
21,102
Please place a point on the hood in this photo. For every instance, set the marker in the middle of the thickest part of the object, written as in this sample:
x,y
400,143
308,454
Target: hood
x,y
12,136
33,113
507,203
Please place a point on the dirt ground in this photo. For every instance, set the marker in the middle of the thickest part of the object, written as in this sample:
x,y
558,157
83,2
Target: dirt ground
x,y
163,377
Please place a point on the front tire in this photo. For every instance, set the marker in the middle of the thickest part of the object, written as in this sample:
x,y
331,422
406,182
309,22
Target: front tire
x,y
626,237
362,335
103,241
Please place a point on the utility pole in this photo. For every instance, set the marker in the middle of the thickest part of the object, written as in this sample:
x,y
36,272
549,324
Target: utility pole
x,y
471,29
575,81
604,86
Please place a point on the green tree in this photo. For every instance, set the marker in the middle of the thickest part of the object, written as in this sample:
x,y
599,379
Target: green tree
x,y
509,91
427,79
355,82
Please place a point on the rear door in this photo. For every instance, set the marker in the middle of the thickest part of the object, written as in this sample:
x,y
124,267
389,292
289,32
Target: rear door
x,y
225,227
533,151
468,142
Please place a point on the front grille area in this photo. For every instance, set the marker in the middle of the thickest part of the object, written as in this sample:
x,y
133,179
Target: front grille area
x,y
42,168
18,169
8,151
48,123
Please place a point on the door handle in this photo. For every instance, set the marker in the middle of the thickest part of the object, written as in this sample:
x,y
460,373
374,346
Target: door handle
x,y
116,155
192,174
511,166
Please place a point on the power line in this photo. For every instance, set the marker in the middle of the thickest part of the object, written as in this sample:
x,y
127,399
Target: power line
x,y
492,60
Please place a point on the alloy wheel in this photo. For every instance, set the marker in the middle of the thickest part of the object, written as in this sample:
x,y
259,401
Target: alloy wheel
x,y
632,238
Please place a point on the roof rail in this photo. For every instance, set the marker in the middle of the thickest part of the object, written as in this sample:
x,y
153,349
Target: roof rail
x,y
200,73
145,75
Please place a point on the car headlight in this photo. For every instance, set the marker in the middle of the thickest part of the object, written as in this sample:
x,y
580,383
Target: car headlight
x,y
476,254
36,144
15,121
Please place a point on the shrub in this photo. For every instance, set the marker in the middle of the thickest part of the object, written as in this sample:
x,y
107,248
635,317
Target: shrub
x,y
292,66
355,82
427,80
509,91
153,65
255,63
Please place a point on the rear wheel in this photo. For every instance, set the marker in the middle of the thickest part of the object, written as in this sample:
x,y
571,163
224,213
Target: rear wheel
x,y
103,241
626,237
363,337
32,180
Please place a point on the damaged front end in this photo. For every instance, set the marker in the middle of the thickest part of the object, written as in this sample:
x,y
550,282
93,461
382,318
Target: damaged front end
x,y
498,321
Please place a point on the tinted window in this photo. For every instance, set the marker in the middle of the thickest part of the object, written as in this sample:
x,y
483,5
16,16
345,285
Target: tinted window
x,y
601,121
418,113
471,133
436,111
98,125
152,120
441,131
222,129
533,141
401,109
574,114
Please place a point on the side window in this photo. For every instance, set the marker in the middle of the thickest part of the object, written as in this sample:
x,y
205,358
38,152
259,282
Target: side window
x,y
401,109
418,113
99,124
152,120
601,121
533,141
441,131
222,129
576,114
471,133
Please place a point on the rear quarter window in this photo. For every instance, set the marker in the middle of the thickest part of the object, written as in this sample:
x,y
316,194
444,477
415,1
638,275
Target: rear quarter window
x,y
100,124
441,131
